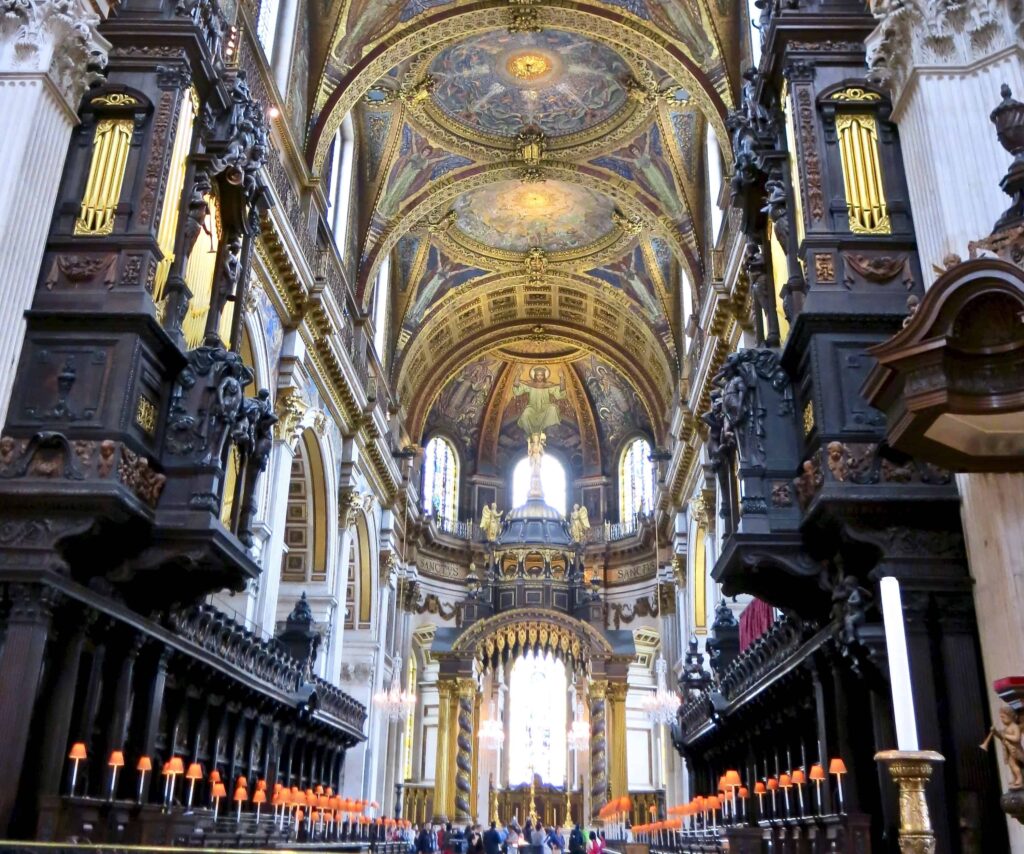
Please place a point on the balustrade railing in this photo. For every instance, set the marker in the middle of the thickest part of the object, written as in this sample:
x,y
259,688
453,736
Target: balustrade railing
x,y
455,528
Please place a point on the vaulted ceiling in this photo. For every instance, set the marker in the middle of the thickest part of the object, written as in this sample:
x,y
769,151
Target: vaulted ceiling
x,y
536,176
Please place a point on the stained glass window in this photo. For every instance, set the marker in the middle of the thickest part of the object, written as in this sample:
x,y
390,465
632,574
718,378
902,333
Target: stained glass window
x,y
636,480
441,480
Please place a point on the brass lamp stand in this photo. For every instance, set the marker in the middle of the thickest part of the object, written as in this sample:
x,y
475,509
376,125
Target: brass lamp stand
x,y
911,770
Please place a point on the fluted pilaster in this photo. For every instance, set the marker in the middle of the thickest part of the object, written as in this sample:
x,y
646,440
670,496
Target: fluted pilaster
x,y
617,755
943,64
46,48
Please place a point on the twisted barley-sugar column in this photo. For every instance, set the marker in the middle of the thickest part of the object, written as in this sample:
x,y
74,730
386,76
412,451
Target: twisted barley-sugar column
x,y
464,754
617,754
598,746
442,766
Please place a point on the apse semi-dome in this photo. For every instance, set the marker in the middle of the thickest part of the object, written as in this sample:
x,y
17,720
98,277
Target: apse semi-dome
x,y
495,84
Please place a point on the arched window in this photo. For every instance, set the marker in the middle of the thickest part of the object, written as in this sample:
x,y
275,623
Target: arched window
x,y
441,480
700,577
636,480
552,479
537,688
755,32
339,193
380,306
713,153
305,531
275,29
266,26
687,300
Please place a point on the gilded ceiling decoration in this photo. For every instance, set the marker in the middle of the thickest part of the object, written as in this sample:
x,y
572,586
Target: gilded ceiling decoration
x,y
517,216
497,84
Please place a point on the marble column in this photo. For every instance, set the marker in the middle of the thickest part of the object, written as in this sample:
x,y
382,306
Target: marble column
x,y
598,745
464,751
943,64
617,772
46,47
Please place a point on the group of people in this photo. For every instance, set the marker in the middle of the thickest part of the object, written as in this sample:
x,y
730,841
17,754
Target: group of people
x,y
529,838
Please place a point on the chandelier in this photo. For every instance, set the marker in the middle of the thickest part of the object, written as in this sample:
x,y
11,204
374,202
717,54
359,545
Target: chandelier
x,y
492,735
578,736
395,702
661,706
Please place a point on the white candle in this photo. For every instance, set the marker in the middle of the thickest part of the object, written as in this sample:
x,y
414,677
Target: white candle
x,y
899,665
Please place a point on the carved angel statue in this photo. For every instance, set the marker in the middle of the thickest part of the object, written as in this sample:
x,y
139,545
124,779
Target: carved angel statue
x,y
490,521
1013,751
579,523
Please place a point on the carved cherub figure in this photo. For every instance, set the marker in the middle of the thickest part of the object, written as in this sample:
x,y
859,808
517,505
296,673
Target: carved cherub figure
x,y
1013,752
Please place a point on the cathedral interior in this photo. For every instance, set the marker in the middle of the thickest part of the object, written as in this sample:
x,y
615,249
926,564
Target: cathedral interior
x,y
599,412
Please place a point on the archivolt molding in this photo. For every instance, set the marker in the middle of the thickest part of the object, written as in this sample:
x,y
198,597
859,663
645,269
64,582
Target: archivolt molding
x,y
432,32
440,195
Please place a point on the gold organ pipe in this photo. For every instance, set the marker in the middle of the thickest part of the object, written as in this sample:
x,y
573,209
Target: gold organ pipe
x,y
199,274
106,176
168,227
862,174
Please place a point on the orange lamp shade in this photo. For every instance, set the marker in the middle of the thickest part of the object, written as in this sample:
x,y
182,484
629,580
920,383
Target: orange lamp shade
x,y
744,792
330,792
241,781
219,791
261,785
773,784
241,794
177,765
319,790
817,772
652,809
714,803
721,783
785,781
77,751
166,769
195,772
799,777
759,788
277,788
837,766
116,759
144,764
215,776
259,797
732,778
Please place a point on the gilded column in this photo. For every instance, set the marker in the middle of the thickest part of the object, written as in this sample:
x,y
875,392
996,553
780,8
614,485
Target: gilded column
x,y
446,691
617,755
598,746
464,754
46,48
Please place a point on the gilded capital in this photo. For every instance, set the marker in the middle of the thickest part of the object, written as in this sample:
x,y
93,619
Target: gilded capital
x,y
289,409
598,689
617,692
466,688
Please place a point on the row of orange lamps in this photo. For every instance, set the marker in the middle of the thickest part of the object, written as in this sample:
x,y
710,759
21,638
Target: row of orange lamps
x,y
616,811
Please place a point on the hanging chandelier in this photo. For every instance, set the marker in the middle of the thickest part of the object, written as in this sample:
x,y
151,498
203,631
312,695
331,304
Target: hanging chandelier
x,y
578,736
661,706
492,734
395,702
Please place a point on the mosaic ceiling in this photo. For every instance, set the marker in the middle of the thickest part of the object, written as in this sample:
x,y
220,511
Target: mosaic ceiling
x,y
496,84
534,172
551,215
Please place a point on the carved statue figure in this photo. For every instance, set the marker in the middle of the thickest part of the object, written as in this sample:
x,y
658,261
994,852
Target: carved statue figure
x,y
1013,752
260,418
849,600
490,521
579,523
